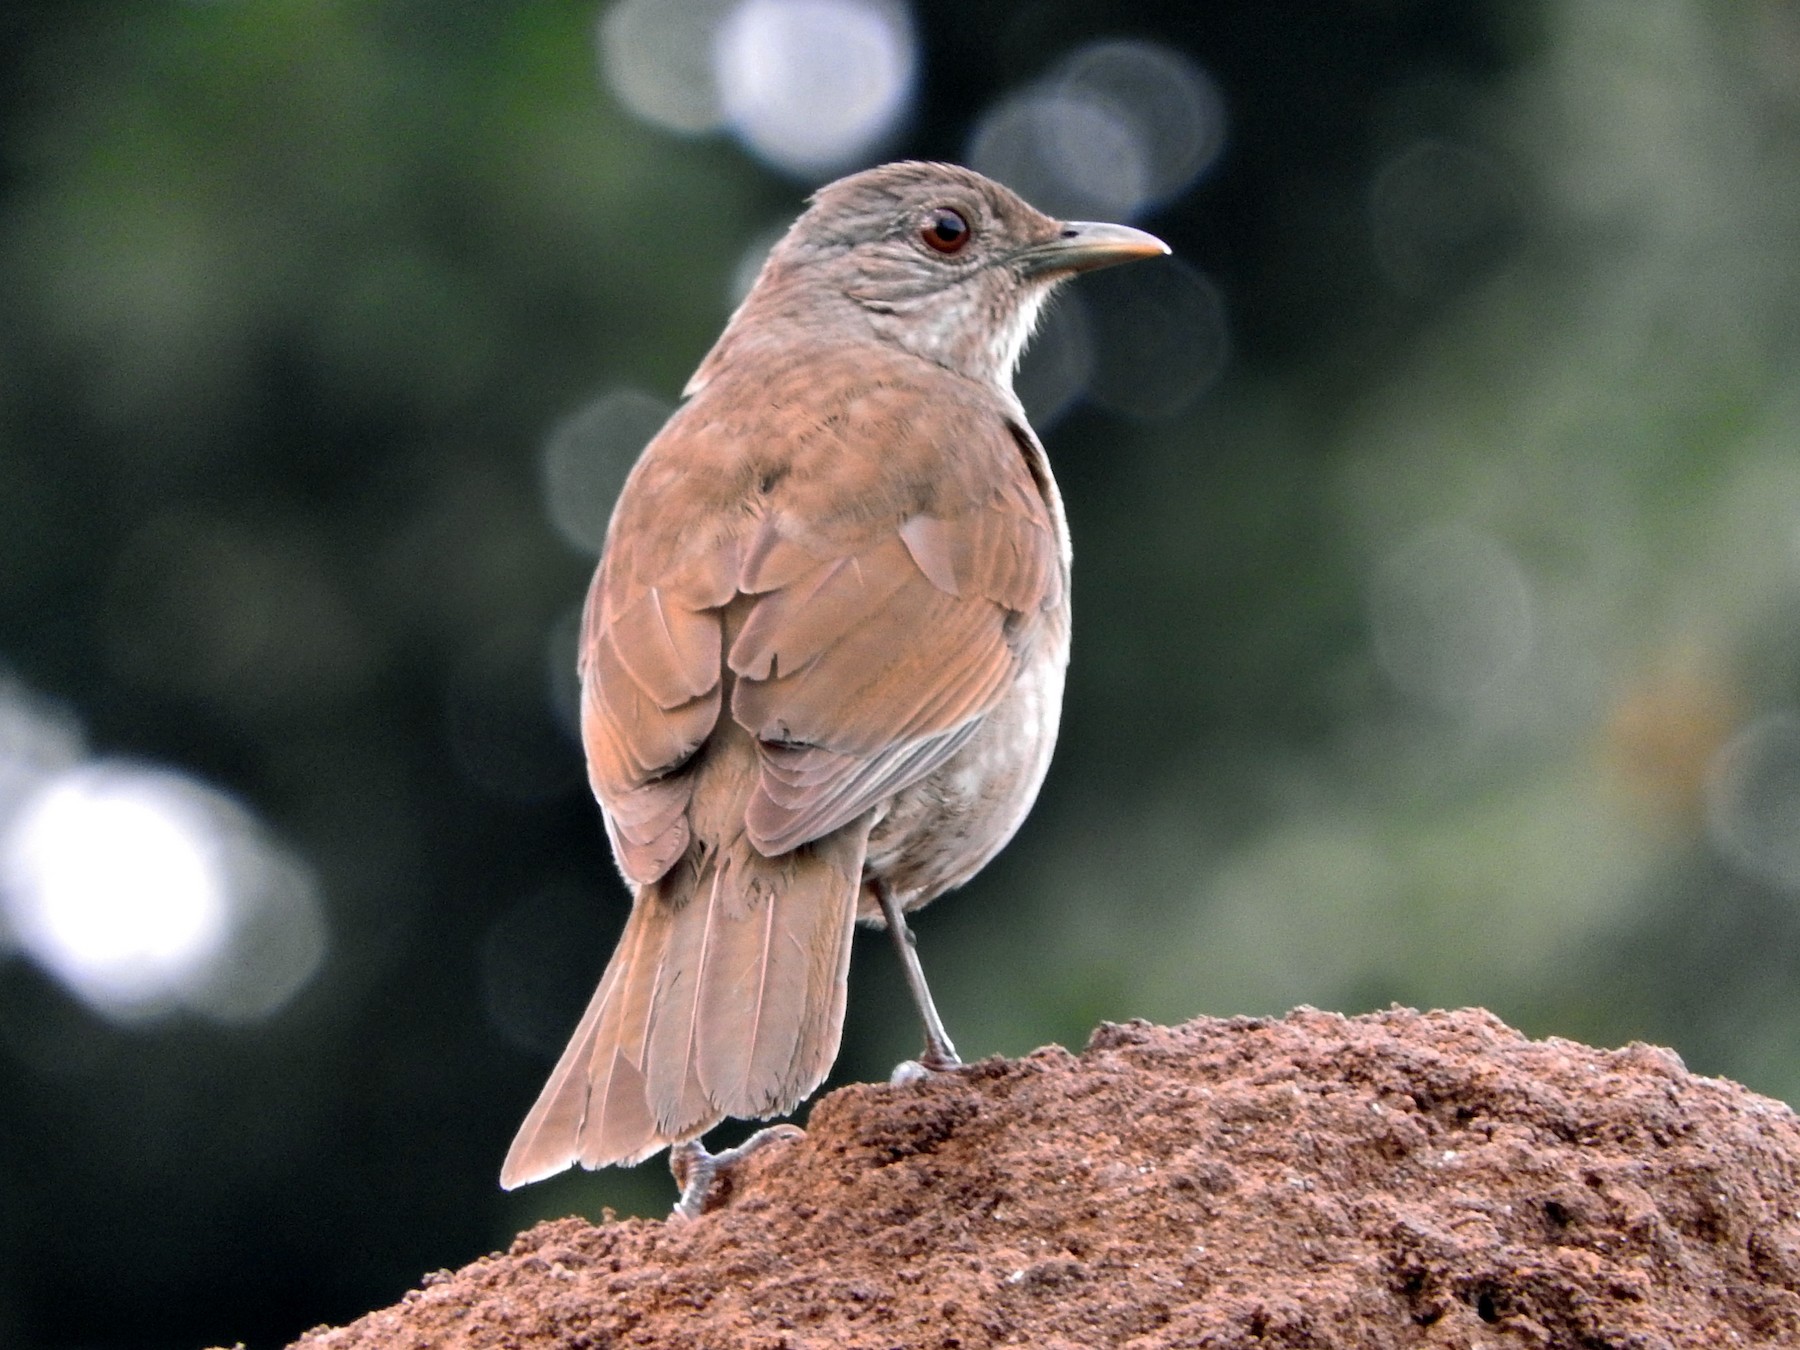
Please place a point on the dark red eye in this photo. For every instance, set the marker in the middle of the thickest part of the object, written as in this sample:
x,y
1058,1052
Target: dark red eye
x,y
946,230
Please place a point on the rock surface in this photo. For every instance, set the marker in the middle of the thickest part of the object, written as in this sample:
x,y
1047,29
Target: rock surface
x,y
1398,1179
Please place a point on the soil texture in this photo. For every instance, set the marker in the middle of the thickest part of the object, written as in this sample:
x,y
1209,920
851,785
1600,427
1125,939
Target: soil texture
x,y
1394,1180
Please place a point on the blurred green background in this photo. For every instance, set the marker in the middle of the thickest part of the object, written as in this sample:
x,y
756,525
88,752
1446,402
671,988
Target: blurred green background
x,y
1437,532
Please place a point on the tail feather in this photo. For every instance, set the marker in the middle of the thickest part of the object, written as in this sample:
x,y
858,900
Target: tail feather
x,y
772,1001
592,1110
677,1101
725,997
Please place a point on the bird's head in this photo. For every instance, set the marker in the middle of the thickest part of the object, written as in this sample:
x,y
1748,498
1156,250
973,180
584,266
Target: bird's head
x,y
935,258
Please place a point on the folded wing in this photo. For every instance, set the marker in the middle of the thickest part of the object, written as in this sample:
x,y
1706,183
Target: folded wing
x,y
866,655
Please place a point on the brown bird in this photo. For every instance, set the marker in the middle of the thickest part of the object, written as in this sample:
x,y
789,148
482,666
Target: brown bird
x,y
822,659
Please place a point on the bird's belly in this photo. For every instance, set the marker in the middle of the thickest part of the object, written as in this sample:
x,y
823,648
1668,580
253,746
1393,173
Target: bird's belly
x,y
936,834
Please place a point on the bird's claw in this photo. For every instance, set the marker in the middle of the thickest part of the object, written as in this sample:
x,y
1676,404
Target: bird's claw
x,y
917,1070
705,1178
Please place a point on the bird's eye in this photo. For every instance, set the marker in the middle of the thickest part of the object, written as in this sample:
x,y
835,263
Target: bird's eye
x,y
945,230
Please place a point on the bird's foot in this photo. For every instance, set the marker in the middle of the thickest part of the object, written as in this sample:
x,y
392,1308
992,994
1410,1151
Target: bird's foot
x,y
705,1178
936,1059
940,1055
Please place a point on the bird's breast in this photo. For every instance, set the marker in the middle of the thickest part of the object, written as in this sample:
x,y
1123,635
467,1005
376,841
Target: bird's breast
x,y
941,831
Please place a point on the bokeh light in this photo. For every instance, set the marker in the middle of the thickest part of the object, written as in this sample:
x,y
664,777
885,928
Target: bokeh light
x,y
277,937
1753,800
1160,335
1117,128
111,883
811,87
38,740
587,457
657,57
814,86
1451,616
134,886
1071,157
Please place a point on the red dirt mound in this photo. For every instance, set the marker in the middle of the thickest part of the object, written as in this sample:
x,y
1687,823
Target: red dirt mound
x,y
1400,1179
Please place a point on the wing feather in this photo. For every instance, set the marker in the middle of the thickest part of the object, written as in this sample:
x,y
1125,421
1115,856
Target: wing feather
x,y
880,605
651,695
866,672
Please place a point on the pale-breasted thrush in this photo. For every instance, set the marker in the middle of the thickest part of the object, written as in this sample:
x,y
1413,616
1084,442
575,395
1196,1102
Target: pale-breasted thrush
x,y
822,659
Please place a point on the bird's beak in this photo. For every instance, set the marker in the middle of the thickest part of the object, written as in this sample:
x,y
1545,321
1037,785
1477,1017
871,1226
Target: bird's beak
x,y
1083,245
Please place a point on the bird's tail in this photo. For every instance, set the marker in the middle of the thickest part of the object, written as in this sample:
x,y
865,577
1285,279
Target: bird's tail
x,y
725,997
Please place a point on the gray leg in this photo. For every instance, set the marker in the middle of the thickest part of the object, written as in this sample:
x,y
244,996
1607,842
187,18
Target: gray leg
x,y
939,1053
705,1177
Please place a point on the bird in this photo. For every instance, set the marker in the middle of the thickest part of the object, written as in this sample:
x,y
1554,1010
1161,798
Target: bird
x,y
822,657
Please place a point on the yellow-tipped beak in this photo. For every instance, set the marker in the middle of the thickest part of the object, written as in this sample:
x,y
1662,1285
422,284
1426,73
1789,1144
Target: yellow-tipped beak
x,y
1083,245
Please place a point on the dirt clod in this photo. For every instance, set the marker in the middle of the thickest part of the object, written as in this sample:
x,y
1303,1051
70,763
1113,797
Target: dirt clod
x,y
1399,1179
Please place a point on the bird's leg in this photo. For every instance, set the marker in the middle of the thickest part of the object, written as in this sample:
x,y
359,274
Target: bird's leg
x,y
705,1178
939,1053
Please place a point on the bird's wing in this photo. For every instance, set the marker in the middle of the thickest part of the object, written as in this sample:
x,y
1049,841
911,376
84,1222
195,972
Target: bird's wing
x,y
862,671
650,667
879,603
